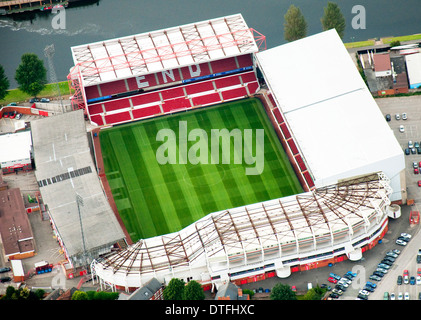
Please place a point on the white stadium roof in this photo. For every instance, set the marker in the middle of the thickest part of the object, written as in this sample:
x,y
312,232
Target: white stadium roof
x,y
160,50
330,110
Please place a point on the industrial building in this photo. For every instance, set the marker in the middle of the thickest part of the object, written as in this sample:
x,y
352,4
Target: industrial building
x,y
16,152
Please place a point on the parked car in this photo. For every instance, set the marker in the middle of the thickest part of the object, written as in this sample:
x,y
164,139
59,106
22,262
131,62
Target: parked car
x,y
392,296
334,296
401,128
404,239
401,243
419,183
406,235
6,115
416,171
377,273
407,151
353,274
391,254
381,270
397,116
362,297
391,259
12,114
18,116
371,284
400,296
404,116
375,278
388,117
400,280
364,292
418,280
5,269
46,100
332,280
412,280
34,100
416,144
410,144
335,276
397,251
388,262
383,266
406,297
368,288
5,279
338,292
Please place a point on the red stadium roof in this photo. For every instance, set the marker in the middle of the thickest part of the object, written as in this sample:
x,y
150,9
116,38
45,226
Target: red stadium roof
x,y
161,50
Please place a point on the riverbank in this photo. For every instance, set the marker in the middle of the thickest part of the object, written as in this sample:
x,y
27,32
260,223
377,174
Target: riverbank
x,y
382,41
50,91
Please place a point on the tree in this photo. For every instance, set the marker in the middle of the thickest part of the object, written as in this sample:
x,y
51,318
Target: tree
x,y
282,292
79,295
295,26
333,18
194,291
315,293
31,74
4,83
174,290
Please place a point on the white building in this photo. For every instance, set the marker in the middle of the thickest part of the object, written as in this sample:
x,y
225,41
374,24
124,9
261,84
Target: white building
x,y
336,123
413,65
15,151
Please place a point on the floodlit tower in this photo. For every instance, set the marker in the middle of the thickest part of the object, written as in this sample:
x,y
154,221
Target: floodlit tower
x,y
49,53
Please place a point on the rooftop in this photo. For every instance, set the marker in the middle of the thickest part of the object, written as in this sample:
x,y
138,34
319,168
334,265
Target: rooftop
x,y
65,170
15,229
161,50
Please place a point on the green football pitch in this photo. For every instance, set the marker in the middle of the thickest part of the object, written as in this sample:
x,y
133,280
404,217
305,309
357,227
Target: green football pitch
x,y
155,199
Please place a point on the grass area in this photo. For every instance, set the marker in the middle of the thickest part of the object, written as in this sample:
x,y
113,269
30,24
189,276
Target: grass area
x,y
402,38
50,91
154,199
358,44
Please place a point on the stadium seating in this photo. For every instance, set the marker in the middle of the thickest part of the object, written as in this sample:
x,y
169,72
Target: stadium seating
x,y
172,99
114,87
146,112
92,92
223,65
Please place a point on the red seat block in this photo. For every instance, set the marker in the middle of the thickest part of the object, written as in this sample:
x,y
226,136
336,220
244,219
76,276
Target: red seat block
x,y
97,119
199,87
234,93
145,98
146,112
95,108
116,104
206,99
175,104
227,82
118,117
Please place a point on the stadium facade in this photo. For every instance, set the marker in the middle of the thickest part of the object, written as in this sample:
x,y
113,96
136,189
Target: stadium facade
x,y
341,214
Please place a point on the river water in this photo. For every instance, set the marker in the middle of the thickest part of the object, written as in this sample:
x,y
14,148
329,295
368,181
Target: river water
x,y
107,19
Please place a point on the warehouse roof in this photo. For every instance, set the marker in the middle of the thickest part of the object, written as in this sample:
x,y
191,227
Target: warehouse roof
x,y
329,109
15,146
162,49
65,170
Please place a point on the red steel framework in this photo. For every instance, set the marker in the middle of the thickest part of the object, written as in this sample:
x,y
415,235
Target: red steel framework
x,y
138,60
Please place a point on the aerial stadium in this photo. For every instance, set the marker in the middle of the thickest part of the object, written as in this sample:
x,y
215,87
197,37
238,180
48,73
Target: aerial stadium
x,y
332,166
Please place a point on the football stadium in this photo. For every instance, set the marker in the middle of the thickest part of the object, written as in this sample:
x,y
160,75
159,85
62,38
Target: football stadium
x,y
226,161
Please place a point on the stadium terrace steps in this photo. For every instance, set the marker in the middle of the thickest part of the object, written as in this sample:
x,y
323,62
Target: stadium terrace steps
x,y
169,100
